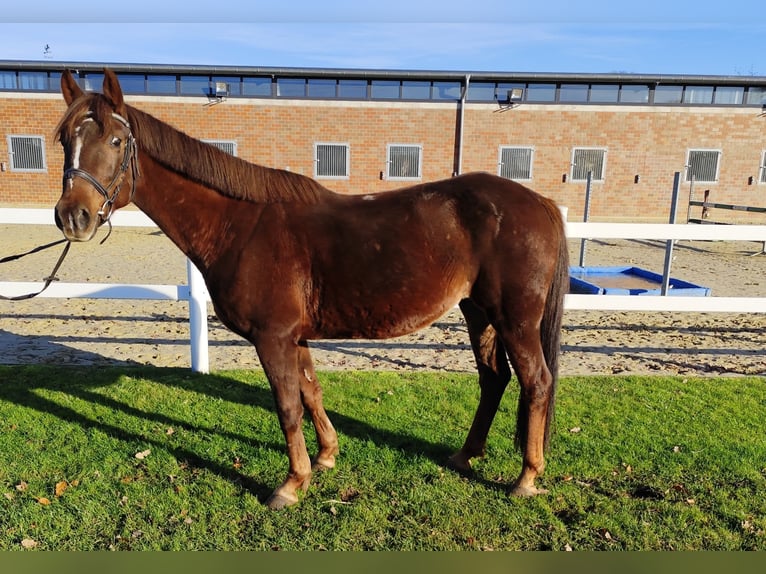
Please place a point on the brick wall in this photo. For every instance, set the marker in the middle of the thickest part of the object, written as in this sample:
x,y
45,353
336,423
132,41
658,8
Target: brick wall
x,y
650,142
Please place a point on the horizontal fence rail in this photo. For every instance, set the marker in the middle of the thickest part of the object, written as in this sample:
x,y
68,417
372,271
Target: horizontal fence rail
x,y
197,297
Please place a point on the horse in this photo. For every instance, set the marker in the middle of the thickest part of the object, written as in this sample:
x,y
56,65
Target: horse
x,y
287,261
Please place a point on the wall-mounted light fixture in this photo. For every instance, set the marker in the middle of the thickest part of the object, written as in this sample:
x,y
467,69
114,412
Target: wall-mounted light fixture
x,y
217,93
512,98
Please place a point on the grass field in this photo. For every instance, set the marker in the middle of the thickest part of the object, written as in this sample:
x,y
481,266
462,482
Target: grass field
x,y
146,458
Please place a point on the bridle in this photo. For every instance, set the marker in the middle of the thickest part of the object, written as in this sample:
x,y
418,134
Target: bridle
x,y
111,191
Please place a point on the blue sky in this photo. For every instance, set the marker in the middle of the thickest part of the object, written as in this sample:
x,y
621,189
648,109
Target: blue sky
x,y
589,36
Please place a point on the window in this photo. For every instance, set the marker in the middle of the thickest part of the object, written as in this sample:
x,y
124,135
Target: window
x,y
132,83
291,87
385,89
698,94
630,94
33,80
256,87
157,84
668,94
27,153
412,90
604,93
481,91
446,91
573,93
7,80
756,95
762,178
541,93
229,146
586,160
321,88
352,89
702,165
92,82
195,85
404,161
728,95
331,160
516,163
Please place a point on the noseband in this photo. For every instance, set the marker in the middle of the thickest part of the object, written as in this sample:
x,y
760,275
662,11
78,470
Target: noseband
x,y
111,191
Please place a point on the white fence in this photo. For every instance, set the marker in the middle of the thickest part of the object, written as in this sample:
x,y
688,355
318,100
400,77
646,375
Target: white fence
x,y
196,295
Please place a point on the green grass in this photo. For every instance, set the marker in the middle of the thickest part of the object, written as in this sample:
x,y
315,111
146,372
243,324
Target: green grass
x,y
635,464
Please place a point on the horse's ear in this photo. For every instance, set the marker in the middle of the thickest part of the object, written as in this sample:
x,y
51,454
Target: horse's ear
x,y
113,91
69,88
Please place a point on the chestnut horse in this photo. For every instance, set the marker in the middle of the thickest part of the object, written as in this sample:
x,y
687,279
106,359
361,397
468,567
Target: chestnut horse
x,y
286,261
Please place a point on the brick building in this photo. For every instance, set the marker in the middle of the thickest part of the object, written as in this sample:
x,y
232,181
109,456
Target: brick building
x,y
362,131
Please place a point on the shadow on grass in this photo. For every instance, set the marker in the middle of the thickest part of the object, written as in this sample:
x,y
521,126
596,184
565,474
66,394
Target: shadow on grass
x,y
20,385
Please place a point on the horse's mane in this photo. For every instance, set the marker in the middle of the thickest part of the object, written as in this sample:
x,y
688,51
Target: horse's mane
x,y
201,162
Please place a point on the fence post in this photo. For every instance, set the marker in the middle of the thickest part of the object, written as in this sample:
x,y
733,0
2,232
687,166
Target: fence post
x,y
586,215
200,362
670,242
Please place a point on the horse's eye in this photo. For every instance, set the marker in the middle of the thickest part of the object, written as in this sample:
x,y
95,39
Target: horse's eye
x,y
116,141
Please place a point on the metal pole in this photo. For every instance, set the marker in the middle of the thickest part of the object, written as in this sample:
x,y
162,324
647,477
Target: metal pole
x,y
670,243
586,215
461,127
691,197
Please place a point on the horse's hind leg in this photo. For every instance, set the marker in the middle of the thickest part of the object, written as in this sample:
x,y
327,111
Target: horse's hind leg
x,y
536,393
311,394
494,374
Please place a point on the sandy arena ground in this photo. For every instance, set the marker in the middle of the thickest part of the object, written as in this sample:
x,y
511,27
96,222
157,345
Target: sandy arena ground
x,y
111,332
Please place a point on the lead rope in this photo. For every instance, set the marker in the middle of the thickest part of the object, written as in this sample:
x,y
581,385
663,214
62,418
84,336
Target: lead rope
x,y
47,280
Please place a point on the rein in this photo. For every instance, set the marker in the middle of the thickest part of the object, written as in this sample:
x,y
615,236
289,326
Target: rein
x,y
48,280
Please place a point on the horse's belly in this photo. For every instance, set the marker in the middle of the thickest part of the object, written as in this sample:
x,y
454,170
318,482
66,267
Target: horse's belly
x,y
376,317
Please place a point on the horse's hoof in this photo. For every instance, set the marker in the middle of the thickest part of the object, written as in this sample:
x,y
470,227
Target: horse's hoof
x,y
527,491
280,501
318,466
459,464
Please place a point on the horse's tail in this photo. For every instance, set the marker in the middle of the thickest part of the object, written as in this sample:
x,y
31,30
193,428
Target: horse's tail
x,y
550,328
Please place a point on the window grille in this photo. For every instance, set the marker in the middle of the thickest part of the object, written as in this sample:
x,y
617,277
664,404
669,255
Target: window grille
x,y
404,161
331,160
229,146
588,159
702,165
516,163
27,153
762,179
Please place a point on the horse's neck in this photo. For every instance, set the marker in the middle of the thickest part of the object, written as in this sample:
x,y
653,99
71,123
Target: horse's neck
x,y
195,218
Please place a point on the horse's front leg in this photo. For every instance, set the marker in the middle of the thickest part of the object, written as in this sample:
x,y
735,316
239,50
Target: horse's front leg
x,y
280,361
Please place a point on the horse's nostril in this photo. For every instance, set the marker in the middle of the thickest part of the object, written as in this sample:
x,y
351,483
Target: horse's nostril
x,y
81,219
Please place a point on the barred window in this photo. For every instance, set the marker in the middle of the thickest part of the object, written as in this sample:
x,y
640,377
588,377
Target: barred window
x,y
331,160
702,165
27,153
516,162
229,146
586,160
762,178
404,161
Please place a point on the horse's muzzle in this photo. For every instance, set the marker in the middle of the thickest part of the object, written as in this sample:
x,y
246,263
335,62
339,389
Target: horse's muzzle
x,y
75,222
